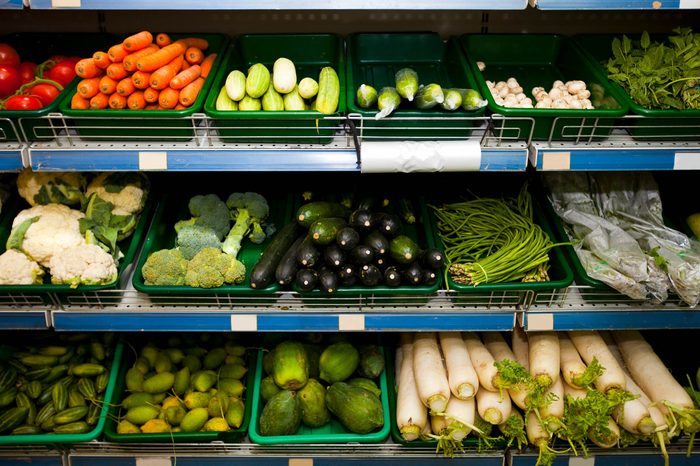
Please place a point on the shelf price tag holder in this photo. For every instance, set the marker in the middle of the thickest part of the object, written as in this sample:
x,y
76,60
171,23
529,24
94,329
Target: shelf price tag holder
x,y
351,322
151,161
244,322
686,160
540,322
579,461
301,462
154,461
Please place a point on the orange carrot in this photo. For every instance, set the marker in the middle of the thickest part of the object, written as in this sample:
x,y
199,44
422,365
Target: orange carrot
x,y
87,88
162,76
151,107
201,44
179,106
189,94
136,101
107,85
160,58
163,39
130,60
138,41
125,87
168,98
141,80
99,102
150,95
117,101
117,53
194,56
183,78
185,65
101,59
79,102
87,68
116,71
207,63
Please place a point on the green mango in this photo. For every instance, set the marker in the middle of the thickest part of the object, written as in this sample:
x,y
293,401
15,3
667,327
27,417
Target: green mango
x,y
268,388
281,415
338,362
312,398
235,412
290,367
359,410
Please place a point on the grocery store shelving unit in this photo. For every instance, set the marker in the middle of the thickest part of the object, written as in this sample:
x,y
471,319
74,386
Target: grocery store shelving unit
x,y
128,310
11,152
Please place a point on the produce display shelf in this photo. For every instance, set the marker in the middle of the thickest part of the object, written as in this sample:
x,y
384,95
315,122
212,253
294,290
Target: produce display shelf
x,y
631,456
281,5
587,308
33,456
11,158
25,320
11,4
616,4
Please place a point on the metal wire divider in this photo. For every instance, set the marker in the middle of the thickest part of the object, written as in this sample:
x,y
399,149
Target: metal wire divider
x,y
577,297
8,130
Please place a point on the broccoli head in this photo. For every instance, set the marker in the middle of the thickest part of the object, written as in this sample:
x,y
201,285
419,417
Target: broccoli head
x,y
165,267
193,238
211,268
249,210
208,210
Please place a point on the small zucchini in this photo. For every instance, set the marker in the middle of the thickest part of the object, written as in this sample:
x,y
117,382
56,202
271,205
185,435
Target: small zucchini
x,y
378,243
362,255
392,276
370,275
413,274
348,275
328,281
308,254
306,279
287,268
403,249
308,213
334,256
324,230
361,220
432,258
263,272
347,238
388,224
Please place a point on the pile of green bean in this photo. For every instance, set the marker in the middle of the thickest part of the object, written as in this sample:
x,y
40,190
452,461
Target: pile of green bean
x,y
493,240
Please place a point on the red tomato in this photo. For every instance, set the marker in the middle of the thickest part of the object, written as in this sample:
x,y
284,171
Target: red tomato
x,y
62,72
26,71
10,80
46,92
23,102
8,55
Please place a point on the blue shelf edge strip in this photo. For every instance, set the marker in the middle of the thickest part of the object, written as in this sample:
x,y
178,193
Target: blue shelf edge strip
x,y
619,159
620,320
288,5
288,322
11,160
23,320
612,5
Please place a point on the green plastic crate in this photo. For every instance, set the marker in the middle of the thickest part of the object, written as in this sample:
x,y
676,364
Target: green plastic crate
x,y
539,60
51,439
146,125
162,235
38,47
231,436
128,246
310,53
560,273
374,59
333,432
657,123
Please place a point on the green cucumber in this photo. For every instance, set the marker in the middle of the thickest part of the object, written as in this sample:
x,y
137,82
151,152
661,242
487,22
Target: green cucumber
x,y
263,272
312,211
324,230
403,249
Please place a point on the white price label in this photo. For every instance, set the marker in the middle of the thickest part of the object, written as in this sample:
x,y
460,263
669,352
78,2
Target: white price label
x,y
689,4
686,161
351,322
579,461
65,3
556,161
244,322
537,322
153,160
301,462
154,461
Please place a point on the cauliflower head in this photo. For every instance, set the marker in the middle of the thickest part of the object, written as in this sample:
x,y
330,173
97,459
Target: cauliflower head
x,y
40,188
127,192
45,230
165,267
211,268
87,264
17,269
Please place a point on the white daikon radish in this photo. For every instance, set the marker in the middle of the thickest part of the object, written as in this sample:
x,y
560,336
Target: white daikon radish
x,y
607,440
590,345
427,432
398,360
499,349
459,417
430,374
482,361
575,393
544,357
493,407
650,373
411,414
572,366
460,373
539,437
438,425
520,347
553,412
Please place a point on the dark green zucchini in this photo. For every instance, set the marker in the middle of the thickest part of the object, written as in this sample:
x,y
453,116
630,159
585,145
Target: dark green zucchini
x,y
324,230
413,274
347,238
362,255
361,220
334,256
403,249
388,224
308,254
370,275
306,279
263,272
328,281
430,277
377,242
432,258
348,275
308,213
287,268
392,276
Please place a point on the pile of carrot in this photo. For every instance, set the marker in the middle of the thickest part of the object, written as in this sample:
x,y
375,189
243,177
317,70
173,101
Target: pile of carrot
x,y
144,73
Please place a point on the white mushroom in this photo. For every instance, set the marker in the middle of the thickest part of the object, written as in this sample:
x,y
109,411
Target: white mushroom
x,y
500,85
575,103
555,94
557,83
517,90
503,92
575,87
512,83
584,94
481,65
537,90
543,104
559,103
541,95
520,97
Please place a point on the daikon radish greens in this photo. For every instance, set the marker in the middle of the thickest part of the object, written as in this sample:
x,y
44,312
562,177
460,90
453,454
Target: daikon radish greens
x,y
493,240
514,429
